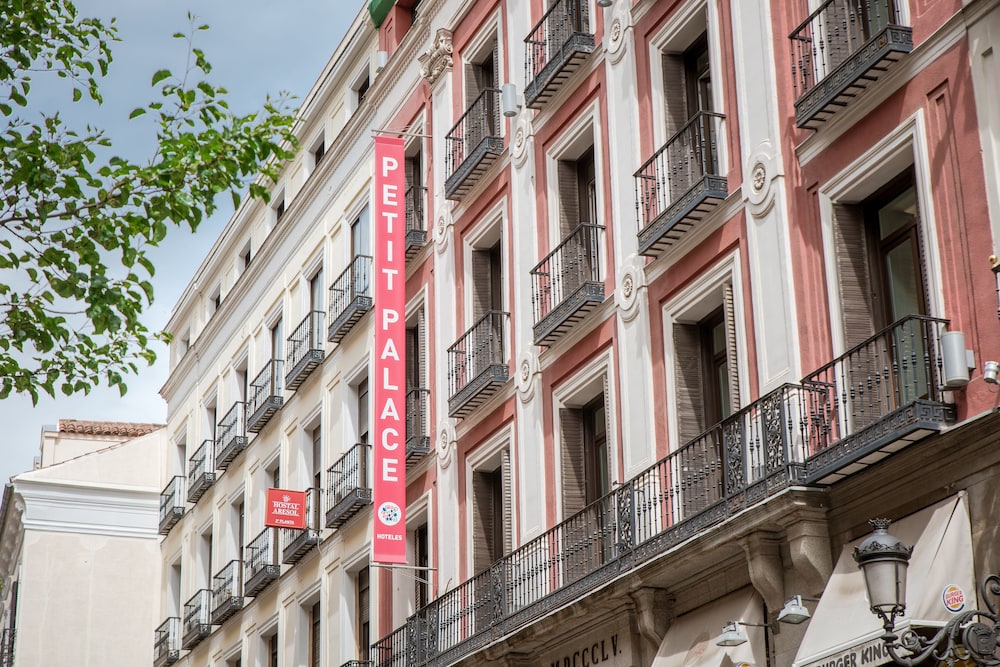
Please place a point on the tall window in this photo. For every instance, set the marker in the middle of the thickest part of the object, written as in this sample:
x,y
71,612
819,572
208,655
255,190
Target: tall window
x,y
315,621
207,557
491,511
361,234
272,650
481,74
317,290
364,418
316,438
715,368
240,517
363,612
487,280
277,339
422,560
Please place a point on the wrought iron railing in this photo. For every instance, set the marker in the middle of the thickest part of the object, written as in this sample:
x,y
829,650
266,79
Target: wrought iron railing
x,y
574,263
416,206
201,471
265,396
227,591
417,422
353,283
166,642
7,636
197,617
172,503
834,32
231,435
477,351
547,44
755,453
348,485
295,541
689,156
305,348
260,561
897,366
479,123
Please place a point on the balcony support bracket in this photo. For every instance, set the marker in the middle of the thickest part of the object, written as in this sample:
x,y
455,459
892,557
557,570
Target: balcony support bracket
x,y
763,552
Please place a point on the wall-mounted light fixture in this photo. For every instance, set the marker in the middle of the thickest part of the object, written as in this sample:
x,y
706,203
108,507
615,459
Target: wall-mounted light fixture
x,y
509,102
605,3
794,611
381,60
990,371
733,635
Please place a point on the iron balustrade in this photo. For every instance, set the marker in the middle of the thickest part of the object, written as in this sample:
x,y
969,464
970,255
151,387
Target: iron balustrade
x,y
416,220
477,351
171,504
350,296
166,642
562,35
197,618
834,32
572,265
896,367
7,637
736,464
260,562
265,395
231,435
295,542
477,131
687,158
348,485
304,349
201,471
227,597
417,423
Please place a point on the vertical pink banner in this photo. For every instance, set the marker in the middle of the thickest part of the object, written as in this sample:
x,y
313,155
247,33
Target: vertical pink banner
x,y
389,491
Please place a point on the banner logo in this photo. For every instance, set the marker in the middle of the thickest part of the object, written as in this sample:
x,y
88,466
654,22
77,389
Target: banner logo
x,y
953,598
285,509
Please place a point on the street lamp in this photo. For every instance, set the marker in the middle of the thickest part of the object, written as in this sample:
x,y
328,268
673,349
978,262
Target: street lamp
x,y
883,560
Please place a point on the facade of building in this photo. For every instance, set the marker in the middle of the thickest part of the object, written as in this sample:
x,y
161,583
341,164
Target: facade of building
x,y
695,288
79,548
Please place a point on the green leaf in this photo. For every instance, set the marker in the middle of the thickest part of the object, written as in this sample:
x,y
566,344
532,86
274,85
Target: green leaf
x,y
136,113
160,75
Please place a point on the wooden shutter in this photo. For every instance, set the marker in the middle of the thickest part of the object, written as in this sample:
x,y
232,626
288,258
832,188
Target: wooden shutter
x,y
688,379
612,446
569,199
574,470
506,501
674,92
482,283
421,373
729,313
482,520
853,273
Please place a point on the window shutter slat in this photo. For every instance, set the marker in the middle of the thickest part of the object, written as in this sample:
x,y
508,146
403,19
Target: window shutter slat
x,y
675,92
574,484
729,313
688,376
853,272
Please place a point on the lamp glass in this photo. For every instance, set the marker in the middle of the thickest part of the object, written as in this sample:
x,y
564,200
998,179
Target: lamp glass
x,y
794,612
732,635
885,580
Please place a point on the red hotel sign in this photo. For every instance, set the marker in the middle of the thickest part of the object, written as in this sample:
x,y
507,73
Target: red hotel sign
x,y
389,489
285,509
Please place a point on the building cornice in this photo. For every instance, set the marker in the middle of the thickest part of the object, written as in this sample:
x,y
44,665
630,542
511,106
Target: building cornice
x,y
78,507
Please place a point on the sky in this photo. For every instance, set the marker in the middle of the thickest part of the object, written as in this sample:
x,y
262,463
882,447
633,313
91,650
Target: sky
x,y
256,47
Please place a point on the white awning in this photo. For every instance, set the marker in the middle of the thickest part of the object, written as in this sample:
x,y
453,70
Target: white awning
x,y
690,640
939,584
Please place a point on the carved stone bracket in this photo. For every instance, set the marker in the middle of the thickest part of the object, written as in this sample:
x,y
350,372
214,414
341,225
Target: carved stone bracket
x,y
809,549
763,552
436,60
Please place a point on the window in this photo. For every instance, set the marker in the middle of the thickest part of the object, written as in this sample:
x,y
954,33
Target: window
x,y
245,257
174,589
240,519
482,74
577,192
491,511
361,88
279,207
705,368
206,557
272,650
211,417
317,290
487,280
316,438
318,151
422,561
361,234
214,300
364,418
363,612
415,190
315,625
277,339
240,377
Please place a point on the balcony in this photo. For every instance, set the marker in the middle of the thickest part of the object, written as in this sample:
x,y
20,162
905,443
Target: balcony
x,y
296,543
680,185
260,562
567,284
226,596
166,642
231,435
878,398
265,396
477,364
418,436
556,48
201,471
197,622
348,486
416,220
171,504
305,350
7,647
739,463
473,144
350,297
842,49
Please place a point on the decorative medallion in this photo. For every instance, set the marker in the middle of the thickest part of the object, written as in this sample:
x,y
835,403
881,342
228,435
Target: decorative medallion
x,y
437,59
758,177
519,144
527,368
631,280
441,233
446,442
616,34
